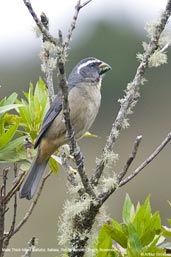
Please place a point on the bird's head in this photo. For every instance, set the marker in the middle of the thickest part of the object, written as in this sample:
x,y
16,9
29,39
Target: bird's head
x,y
88,70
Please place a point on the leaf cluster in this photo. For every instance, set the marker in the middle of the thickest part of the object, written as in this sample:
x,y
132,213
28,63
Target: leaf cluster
x,y
20,121
139,234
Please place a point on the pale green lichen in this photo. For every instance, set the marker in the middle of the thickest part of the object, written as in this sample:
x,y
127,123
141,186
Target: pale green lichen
x,y
71,209
157,59
109,182
110,158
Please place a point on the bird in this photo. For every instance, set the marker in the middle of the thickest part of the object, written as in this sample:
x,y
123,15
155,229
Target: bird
x,y
84,97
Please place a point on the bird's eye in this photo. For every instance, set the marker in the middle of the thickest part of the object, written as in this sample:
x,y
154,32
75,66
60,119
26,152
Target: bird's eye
x,y
92,65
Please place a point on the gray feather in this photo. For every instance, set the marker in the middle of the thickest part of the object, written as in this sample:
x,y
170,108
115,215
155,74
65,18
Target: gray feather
x,y
33,178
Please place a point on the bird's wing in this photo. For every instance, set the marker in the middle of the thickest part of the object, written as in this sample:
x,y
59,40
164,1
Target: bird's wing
x,y
51,114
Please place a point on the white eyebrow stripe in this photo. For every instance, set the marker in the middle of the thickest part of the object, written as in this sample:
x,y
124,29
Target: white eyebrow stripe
x,y
87,63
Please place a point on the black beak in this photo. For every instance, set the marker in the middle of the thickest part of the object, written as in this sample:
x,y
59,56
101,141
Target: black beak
x,y
104,67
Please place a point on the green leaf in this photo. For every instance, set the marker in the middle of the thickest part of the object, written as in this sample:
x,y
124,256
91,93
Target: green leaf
x,y
34,108
134,242
117,233
104,243
128,211
166,231
9,107
53,164
11,153
143,217
153,228
8,135
89,134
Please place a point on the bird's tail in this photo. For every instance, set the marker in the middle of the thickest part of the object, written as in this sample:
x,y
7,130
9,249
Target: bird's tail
x,y
33,178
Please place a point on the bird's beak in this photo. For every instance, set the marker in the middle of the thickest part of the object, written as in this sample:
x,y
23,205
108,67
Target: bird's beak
x,y
104,67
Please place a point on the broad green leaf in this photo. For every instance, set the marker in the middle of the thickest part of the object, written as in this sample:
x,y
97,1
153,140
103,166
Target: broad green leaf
x,y
12,145
9,107
153,228
142,217
8,135
134,241
104,244
117,233
128,211
11,99
166,231
34,109
53,165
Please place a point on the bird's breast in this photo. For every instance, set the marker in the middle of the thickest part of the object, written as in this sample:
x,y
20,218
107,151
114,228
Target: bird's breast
x,y
84,104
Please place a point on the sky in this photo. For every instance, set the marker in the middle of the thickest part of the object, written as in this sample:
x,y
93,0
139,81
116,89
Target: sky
x,y
16,23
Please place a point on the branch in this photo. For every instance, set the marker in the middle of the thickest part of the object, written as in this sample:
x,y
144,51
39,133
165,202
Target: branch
x,y
75,150
104,196
9,234
132,94
33,204
130,159
46,58
78,7
31,245
147,161
40,25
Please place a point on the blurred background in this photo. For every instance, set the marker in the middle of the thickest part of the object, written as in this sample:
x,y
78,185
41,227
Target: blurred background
x,y
113,31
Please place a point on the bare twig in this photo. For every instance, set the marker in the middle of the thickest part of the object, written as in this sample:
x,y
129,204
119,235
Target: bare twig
x,y
9,234
31,245
78,7
45,57
147,161
33,204
3,209
130,159
14,189
104,196
131,96
40,25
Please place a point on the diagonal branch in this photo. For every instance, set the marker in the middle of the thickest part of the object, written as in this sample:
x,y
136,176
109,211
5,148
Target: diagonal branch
x,y
132,95
104,196
130,159
40,25
147,161
78,7
32,206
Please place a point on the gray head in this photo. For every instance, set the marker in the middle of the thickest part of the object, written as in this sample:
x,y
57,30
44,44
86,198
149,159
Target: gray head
x,y
88,70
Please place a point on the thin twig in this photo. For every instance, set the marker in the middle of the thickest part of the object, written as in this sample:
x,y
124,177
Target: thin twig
x,y
130,159
3,209
33,204
104,196
78,7
31,245
131,93
9,234
147,161
14,189
44,31
45,57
